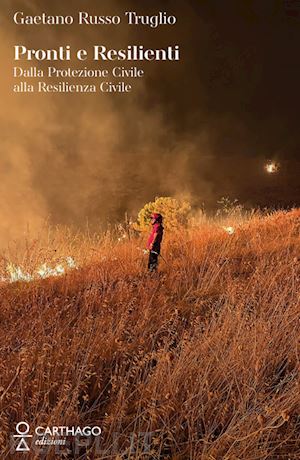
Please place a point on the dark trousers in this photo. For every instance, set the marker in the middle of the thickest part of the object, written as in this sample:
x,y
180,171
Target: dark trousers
x,y
153,259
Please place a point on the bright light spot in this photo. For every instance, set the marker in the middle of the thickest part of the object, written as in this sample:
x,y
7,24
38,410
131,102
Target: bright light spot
x,y
71,262
229,230
272,167
16,274
44,271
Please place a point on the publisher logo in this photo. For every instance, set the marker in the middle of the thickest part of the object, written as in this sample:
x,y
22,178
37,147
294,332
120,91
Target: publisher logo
x,y
58,437
22,436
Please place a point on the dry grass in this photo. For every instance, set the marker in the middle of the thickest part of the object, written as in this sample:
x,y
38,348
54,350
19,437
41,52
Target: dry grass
x,y
204,357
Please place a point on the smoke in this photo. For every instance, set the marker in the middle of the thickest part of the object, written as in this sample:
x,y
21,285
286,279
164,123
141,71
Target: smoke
x,y
21,124
74,157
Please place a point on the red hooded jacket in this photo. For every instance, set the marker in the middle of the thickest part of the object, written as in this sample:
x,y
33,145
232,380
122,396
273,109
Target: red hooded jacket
x,y
156,228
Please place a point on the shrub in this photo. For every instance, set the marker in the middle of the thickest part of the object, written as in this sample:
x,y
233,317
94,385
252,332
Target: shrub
x,y
175,212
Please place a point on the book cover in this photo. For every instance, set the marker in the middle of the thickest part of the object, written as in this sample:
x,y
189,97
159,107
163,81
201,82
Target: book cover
x,y
149,229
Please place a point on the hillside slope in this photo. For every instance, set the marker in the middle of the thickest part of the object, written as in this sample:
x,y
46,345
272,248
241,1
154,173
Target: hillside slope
x,y
203,357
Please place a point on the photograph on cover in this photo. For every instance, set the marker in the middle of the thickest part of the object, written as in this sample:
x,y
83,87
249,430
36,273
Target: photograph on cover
x,y
149,230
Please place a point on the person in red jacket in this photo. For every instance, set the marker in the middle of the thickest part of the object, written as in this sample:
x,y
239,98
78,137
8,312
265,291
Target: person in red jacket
x,y
154,241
